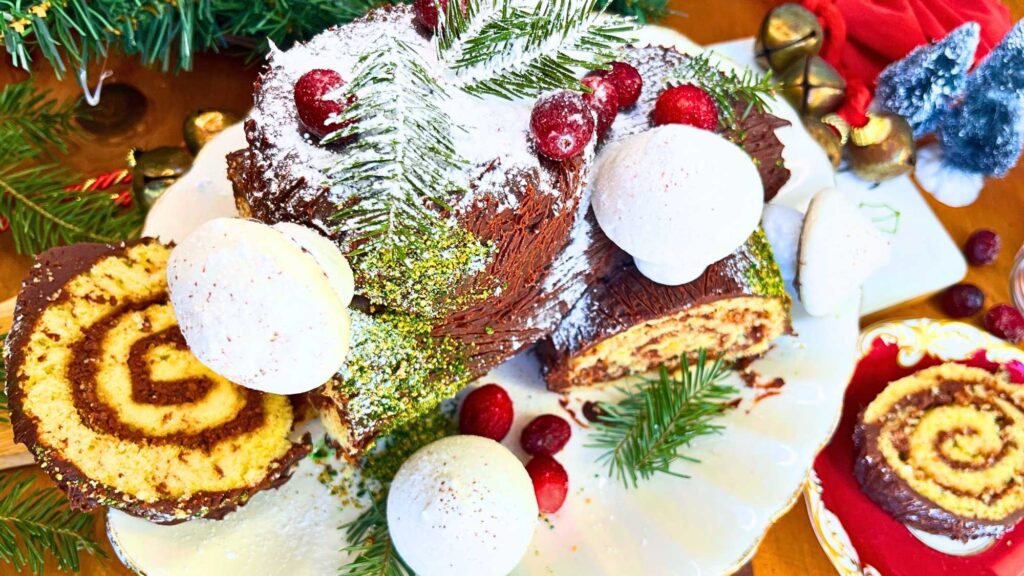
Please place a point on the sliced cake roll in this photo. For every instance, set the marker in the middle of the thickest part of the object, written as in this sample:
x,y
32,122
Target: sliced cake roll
x,y
942,450
626,324
114,407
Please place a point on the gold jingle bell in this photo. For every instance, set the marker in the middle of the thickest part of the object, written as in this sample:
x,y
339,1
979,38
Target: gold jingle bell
x,y
788,32
883,148
827,138
812,86
201,126
153,171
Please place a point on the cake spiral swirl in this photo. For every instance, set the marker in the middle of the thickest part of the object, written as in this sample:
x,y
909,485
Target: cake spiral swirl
x,y
942,450
114,406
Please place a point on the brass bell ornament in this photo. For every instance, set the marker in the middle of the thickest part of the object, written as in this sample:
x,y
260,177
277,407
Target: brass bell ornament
x,y
883,148
153,171
201,126
827,138
812,86
788,32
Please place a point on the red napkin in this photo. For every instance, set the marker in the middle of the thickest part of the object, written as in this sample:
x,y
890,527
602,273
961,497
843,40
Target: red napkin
x,y
864,36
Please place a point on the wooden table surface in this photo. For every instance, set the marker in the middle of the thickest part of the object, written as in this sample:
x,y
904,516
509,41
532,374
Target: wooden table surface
x,y
221,81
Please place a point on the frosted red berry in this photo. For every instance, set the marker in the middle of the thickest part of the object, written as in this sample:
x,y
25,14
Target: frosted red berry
x,y
686,104
312,103
562,124
1006,322
627,82
963,300
427,11
983,247
603,100
546,434
550,483
486,411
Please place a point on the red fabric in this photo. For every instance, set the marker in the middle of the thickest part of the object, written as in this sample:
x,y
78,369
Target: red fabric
x,y
864,36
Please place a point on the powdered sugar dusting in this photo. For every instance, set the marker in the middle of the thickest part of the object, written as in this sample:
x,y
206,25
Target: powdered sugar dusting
x,y
492,128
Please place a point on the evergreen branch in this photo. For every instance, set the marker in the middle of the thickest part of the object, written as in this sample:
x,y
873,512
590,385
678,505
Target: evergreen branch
x,y
373,553
644,433
509,51
32,196
35,523
71,32
728,89
400,169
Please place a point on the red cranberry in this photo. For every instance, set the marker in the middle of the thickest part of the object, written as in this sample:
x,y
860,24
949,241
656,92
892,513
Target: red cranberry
x,y
314,108
686,104
627,82
562,124
1006,322
427,11
963,300
546,434
983,247
550,483
604,100
486,411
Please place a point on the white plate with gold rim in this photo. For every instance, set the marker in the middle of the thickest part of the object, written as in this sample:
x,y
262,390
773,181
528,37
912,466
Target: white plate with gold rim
x,y
711,523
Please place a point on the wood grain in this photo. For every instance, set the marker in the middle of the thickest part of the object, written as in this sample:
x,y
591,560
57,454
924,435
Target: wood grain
x,y
225,82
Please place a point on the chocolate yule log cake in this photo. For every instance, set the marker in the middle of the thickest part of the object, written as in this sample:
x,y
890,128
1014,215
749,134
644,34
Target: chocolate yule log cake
x,y
418,339
942,450
106,395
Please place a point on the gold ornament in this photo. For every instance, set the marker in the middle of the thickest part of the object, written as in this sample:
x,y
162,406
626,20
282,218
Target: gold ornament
x,y
155,170
889,152
121,109
201,126
788,32
812,86
841,126
827,138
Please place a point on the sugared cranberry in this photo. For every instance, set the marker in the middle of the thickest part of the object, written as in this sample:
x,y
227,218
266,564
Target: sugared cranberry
x,y
686,104
546,434
963,300
983,247
486,411
427,11
604,100
1006,322
627,82
313,103
562,124
550,483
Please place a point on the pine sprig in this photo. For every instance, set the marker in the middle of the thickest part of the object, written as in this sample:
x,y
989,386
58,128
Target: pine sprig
x,y
370,546
506,50
726,87
71,32
36,523
643,10
644,433
401,168
32,196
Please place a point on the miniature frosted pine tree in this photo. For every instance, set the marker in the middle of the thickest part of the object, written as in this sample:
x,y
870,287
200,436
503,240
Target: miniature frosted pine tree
x,y
983,135
1003,69
922,86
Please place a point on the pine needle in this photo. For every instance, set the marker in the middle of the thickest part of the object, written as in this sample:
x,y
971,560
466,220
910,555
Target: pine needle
x,y
509,51
644,433
32,196
371,547
727,88
401,169
36,523
643,10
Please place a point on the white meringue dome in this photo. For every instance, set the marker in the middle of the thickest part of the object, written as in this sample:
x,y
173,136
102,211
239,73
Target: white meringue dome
x,y
263,306
677,199
462,505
